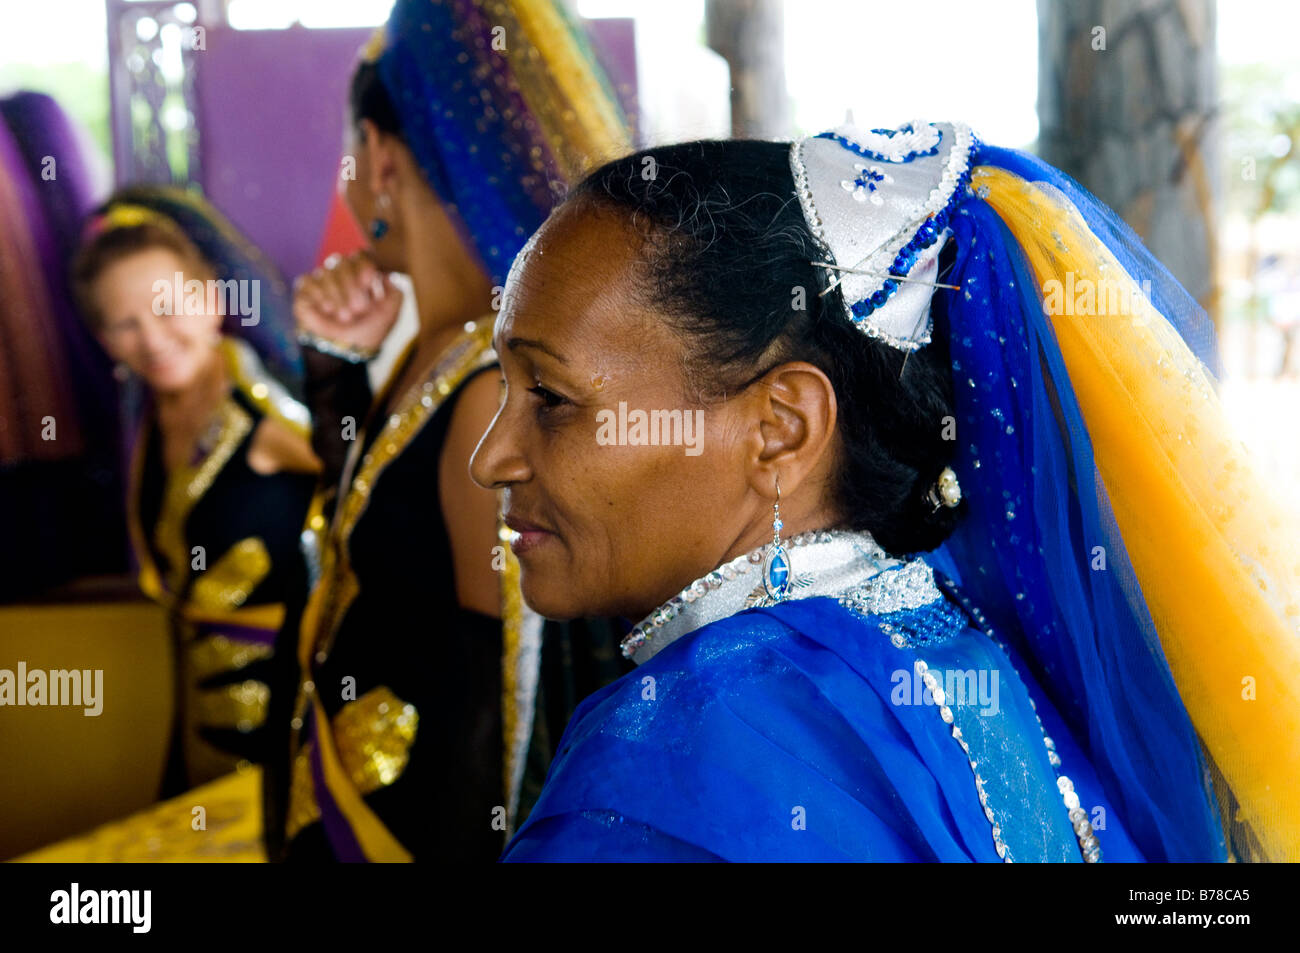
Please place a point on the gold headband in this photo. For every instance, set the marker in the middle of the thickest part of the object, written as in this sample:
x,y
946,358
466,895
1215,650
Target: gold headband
x,y
374,47
125,215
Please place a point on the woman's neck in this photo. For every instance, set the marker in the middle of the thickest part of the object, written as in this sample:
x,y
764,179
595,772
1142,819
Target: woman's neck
x,y
192,406
449,283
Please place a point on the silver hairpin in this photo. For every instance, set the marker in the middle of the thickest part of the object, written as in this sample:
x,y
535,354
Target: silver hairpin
x,y
835,283
915,328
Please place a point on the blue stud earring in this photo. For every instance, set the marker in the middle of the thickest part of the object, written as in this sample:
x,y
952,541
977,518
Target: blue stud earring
x,y
776,565
379,226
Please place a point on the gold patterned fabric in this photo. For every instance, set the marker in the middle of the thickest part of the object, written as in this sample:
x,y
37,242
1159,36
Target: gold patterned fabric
x,y
217,822
241,706
373,735
218,653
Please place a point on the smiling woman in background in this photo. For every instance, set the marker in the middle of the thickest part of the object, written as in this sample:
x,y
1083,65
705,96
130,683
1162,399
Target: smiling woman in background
x,y
222,471
860,316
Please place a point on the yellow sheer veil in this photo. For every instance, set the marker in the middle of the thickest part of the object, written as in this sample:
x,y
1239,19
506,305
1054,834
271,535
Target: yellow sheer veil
x,y
1216,554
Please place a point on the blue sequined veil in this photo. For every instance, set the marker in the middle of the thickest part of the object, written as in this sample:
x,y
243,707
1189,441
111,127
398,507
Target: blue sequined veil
x,y
1038,507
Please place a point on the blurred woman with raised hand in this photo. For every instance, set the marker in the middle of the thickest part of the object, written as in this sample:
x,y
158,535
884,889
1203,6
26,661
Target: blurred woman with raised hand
x,y
409,735
862,325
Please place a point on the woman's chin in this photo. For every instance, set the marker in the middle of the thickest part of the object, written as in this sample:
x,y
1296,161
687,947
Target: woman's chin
x,y
554,595
169,379
548,603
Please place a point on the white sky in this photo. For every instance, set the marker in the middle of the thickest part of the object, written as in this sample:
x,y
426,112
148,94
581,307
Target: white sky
x,y
888,68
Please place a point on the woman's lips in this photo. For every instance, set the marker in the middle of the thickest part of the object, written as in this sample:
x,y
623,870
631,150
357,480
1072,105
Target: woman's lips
x,y
525,536
523,543
161,365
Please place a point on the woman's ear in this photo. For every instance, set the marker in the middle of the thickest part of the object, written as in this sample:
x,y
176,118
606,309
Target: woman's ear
x,y
379,157
797,410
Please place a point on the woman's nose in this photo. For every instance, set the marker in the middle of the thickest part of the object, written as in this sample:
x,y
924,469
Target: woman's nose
x,y
151,330
498,460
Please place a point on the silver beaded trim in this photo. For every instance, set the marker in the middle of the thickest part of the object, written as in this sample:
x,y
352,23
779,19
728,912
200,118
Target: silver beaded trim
x,y
838,561
908,587
1087,837
941,699
804,193
1089,846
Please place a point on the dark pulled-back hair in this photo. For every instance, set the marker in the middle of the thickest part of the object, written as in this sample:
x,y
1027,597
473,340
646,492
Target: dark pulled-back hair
x,y
368,98
725,252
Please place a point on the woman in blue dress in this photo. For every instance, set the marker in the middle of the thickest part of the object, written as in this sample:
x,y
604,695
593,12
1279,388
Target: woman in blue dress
x,y
910,587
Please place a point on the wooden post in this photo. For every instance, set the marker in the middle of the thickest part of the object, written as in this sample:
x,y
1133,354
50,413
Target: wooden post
x,y
750,36
1127,106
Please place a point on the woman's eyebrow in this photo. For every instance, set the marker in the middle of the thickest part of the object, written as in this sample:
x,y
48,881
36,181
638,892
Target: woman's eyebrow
x,y
515,343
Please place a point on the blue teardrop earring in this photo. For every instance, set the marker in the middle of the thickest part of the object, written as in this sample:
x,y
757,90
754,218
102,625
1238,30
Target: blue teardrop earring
x,y
776,565
379,226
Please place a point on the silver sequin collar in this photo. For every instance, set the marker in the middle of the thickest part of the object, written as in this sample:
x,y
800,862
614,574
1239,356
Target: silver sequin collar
x,y
848,566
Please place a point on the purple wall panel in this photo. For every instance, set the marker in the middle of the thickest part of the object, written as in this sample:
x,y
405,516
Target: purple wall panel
x,y
614,42
271,107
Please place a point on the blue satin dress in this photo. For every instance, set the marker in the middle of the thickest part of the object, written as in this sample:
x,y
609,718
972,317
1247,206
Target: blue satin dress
x,y
804,731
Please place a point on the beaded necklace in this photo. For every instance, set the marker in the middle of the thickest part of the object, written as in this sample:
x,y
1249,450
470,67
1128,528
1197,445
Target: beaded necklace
x,y
845,565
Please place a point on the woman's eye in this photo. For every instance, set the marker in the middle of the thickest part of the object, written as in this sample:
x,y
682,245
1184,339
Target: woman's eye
x,y
548,398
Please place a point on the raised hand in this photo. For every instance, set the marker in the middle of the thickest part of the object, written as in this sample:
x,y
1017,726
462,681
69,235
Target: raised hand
x,y
349,300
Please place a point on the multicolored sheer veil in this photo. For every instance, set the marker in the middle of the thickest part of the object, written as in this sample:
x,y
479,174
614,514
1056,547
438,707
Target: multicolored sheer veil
x,y
503,106
1116,531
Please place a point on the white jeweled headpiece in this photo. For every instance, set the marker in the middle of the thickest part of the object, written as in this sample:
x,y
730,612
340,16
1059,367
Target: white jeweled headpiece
x,y
878,201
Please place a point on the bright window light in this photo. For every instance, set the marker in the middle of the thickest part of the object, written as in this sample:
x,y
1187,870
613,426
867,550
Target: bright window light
x,y
280,14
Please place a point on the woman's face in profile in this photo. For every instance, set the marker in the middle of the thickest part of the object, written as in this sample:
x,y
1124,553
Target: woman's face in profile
x,y
607,523
168,351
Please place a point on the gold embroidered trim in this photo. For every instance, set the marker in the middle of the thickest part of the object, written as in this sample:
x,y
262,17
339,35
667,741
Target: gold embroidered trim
x,y
520,664
227,584
373,736
303,808
241,706
337,588
150,579
185,486
511,616
262,388
218,654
